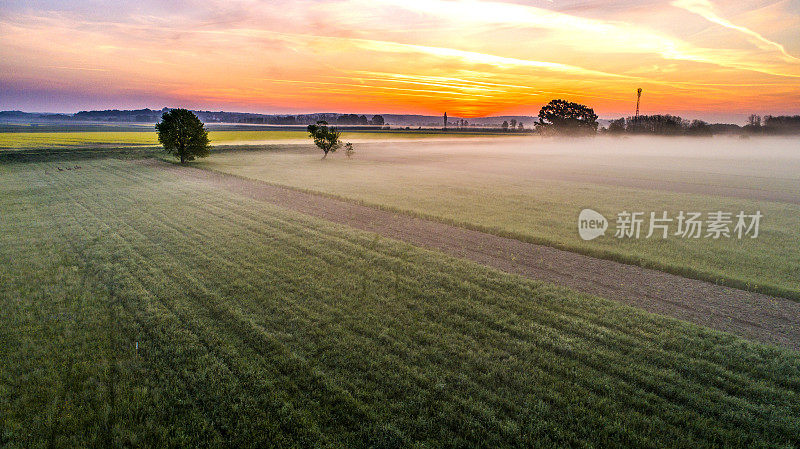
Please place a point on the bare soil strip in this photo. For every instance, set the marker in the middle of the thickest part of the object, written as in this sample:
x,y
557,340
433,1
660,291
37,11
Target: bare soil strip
x,y
751,315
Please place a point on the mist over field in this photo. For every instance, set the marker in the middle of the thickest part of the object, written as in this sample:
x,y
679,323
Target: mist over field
x,y
759,168
532,188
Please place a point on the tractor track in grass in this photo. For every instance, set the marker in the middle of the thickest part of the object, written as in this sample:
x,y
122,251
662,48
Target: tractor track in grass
x,y
751,315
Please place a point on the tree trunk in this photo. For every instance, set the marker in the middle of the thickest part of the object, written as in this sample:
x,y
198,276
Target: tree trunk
x,y
182,151
325,155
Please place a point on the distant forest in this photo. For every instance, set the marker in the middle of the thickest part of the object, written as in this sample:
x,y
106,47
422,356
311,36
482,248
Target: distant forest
x,y
672,125
666,125
153,116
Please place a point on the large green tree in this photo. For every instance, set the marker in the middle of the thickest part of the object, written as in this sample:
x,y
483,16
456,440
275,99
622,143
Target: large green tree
x,y
183,135
326,138
565,117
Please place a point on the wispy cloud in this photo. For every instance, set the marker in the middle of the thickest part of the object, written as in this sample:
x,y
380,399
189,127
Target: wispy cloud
x,y
603,36
87,69
705,9
471,57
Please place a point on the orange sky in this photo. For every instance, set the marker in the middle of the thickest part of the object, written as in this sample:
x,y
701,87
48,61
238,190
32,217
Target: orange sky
x,y
699,58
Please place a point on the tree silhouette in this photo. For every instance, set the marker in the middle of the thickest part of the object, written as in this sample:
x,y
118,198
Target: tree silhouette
x,y
564,117
617,126
327,139
182,134
661,124
782,124
753,124
378,120
698,128
352,119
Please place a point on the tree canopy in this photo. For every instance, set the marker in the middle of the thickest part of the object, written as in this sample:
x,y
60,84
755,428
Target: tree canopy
x,y
564,117
352,119
183,135
661,124
616,126
326,138
699,128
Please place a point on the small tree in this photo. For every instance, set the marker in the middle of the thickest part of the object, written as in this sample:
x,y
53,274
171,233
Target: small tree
x,y
348,150
327,139
564,117
753,124
183,135
699,128
505,125
617,126
513,123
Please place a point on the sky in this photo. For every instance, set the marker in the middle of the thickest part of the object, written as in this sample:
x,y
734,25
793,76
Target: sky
x,y
718,60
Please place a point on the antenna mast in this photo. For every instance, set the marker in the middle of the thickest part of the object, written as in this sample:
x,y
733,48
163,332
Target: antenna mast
x,y
638,97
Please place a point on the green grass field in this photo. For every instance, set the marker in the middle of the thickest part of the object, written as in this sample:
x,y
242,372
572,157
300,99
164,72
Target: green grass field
x,y
261,327
82,139
519,193
39,140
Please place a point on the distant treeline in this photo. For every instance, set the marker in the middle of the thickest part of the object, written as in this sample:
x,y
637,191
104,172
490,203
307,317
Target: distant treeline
x,y
149,115
304,119
782,124
153,116
672,125
660,124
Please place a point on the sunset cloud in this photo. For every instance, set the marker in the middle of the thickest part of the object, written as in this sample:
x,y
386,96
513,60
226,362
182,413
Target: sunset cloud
x,y
705,9
469,57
